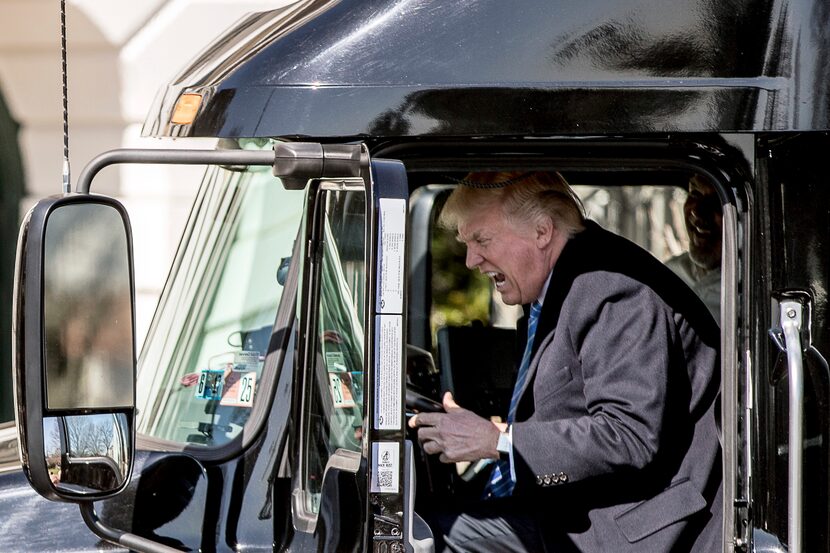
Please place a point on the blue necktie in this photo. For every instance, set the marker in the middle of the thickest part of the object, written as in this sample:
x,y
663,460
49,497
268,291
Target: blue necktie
x,y
501,484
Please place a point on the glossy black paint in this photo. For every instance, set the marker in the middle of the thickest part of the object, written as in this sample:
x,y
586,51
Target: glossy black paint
x,y
483,67
165,502
793,249
31,523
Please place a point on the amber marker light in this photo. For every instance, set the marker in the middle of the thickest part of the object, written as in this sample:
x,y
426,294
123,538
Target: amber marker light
x,y
186,107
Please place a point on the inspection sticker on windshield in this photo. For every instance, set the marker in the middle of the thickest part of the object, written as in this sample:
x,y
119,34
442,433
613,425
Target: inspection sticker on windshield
x,y
386,460
239,389
210,384
388,368
340,384
335,361
246,361
392,230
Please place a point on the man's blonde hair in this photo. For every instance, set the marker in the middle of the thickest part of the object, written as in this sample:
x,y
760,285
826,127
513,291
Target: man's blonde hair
x,y
523,197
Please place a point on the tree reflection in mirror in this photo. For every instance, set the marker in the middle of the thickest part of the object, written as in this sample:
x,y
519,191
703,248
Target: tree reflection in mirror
x,y
87,453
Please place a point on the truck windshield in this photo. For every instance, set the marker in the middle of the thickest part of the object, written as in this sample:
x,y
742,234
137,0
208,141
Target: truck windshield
x,y
204,352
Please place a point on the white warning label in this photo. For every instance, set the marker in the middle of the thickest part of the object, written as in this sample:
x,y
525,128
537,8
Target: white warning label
x,y
388,368
392,231
386,459
247,361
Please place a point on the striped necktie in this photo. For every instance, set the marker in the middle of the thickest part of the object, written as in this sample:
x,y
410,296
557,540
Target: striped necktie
x,y
501,484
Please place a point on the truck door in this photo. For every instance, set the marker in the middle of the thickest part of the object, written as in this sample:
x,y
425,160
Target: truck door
x,y
789,466
287,434
350,450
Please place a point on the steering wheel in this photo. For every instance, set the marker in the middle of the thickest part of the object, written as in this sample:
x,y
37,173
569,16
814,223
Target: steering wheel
x,y
420,402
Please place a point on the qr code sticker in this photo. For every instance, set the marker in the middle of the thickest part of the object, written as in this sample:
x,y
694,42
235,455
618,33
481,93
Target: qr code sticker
x,y
385,478
385,467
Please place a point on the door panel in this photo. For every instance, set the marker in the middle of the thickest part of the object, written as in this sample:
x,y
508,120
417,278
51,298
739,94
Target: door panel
x,y
793,200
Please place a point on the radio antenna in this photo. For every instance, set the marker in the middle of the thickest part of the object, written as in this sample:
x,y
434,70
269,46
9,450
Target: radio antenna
x,y
67,186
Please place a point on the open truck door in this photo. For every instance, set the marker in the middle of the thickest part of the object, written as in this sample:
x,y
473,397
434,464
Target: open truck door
x,y
352,485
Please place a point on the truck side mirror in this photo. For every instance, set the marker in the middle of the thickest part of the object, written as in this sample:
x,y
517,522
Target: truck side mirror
x,y
74,347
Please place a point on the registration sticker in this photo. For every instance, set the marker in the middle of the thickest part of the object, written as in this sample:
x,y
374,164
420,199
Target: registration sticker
x,y
239,389
340,384
210,384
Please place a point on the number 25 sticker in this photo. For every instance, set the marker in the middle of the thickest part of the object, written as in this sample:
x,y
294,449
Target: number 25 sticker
x,y
246,389
239,391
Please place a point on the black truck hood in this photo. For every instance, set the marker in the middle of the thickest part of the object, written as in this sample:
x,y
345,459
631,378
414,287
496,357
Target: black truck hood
x,y
390,68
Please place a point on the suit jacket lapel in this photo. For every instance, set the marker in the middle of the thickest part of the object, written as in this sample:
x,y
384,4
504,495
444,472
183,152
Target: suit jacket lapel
x,y
567,268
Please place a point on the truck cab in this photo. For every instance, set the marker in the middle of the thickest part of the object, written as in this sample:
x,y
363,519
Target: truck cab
x,y
314,303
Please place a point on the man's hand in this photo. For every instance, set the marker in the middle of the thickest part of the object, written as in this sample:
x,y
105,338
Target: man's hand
x,y
458,434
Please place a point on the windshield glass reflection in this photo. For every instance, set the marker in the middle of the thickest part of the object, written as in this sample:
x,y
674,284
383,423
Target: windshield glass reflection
x,y
200,374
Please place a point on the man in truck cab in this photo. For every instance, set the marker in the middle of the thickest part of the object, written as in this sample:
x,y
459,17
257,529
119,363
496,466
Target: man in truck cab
x,y
610,443
700,266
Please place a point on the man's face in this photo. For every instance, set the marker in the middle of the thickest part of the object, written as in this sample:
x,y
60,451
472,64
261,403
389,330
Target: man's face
x,y
511,254
704,223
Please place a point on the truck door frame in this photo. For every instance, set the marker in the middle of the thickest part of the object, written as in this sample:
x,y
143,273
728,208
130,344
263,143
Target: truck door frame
x,y
725,160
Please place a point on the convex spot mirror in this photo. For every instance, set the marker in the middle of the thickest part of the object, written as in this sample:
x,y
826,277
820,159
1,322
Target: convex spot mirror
x,y
74,343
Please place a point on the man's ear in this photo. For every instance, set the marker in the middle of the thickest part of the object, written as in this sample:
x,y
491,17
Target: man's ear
x,y
545,231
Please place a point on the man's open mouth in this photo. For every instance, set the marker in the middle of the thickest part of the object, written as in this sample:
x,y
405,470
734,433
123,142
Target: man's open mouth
x,y
498,279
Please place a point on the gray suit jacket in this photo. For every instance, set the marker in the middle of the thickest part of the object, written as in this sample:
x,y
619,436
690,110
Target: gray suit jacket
x,y
615,438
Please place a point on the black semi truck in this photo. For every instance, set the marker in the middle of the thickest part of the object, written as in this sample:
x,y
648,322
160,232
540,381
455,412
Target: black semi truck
x,y
312,305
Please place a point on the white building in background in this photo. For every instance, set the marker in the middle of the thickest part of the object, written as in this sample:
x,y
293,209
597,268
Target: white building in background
x,y
120,54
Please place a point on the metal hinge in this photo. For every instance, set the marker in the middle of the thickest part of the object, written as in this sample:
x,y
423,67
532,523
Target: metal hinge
x,y
741,524
796,304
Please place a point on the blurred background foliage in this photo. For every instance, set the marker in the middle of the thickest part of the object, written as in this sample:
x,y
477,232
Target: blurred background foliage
x,y
459,294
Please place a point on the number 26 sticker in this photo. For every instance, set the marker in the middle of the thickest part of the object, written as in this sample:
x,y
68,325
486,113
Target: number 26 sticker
x,y
210,384
340,384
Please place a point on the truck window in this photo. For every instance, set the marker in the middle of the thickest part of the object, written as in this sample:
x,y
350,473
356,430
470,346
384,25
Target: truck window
x,y
473,333
203,356
334,377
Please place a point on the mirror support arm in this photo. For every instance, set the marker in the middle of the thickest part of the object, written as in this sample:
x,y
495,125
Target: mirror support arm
x,y
132,542
294,162
169,157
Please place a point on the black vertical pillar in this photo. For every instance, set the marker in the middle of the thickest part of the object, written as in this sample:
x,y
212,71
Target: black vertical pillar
x,y
11,192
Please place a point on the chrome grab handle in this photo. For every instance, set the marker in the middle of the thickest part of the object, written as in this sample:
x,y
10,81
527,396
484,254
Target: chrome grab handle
x,y
791,327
